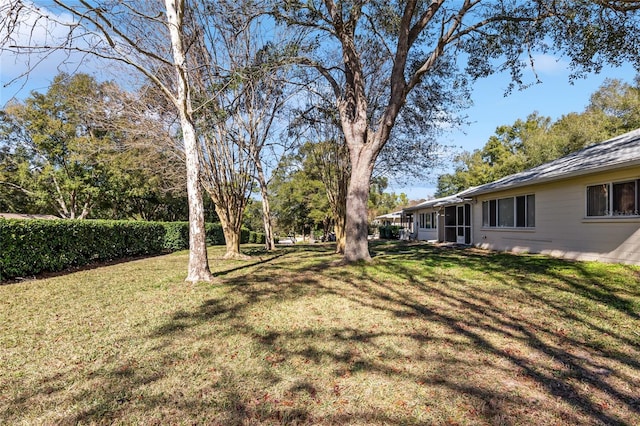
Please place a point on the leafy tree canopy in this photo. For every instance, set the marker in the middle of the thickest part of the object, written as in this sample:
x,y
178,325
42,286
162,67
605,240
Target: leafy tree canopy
x,y
85,149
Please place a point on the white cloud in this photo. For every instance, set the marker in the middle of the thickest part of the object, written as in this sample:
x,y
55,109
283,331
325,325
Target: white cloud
x,y
548,64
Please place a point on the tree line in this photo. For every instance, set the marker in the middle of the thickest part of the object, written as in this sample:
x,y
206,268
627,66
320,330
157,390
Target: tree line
x,y
389,76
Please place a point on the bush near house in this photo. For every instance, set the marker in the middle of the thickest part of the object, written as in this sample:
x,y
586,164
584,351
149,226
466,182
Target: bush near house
x,y
32,246
389,232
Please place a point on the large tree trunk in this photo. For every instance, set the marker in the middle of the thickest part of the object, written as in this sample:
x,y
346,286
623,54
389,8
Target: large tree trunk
x,y
357,226
231,241
232,229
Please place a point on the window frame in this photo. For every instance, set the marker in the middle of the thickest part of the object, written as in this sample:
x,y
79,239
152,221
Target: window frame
x,y
427,220
610,208
523,206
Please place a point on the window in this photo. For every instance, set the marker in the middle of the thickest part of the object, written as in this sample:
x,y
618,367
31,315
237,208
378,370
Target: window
x,y
613,199
485,213
598,200
427,220
493,213
510,212
505,212
531,211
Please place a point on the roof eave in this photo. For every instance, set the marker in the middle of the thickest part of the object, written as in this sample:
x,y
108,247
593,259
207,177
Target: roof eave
x,y
569,175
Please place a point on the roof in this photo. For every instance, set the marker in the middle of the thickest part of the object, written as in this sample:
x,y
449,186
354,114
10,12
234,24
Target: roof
x,y
27,216
460,197
394,215
616,153
437,202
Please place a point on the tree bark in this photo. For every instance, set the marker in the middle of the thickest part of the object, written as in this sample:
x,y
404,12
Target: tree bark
x,y
269,242
341,234
232,229
198,268
357,224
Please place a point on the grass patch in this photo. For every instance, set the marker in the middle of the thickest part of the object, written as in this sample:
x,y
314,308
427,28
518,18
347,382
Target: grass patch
x,y
421,335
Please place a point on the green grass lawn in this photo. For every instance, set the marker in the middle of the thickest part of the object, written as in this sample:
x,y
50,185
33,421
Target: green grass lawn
x,y
422,335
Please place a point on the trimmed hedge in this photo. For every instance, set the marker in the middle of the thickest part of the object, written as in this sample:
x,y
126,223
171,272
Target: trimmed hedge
x,y
32,246
177,235
28,247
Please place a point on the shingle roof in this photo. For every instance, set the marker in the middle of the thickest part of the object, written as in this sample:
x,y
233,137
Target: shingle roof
x,y
619,152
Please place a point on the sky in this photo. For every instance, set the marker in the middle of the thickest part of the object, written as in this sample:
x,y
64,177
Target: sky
x,y
553,97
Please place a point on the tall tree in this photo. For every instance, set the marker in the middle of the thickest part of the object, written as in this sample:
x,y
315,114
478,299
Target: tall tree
x,y
14,165
325,157
63,171
148,37
299,201
326,161
403,43
245,82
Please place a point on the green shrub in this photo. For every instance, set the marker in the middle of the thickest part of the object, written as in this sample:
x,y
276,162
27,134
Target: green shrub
x,y
244,235
33,246
257,237
215,235
390,232
176,235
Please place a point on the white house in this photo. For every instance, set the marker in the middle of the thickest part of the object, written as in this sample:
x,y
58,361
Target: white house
x,y
388,219
583,206
445,219
400,219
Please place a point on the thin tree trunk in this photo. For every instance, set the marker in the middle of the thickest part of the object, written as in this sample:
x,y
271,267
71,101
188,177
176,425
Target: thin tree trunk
x,y
340,231
269,242
198,268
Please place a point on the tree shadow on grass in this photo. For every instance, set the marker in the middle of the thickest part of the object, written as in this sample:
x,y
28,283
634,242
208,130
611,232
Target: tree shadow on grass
x,y
586,368
436,336
557,375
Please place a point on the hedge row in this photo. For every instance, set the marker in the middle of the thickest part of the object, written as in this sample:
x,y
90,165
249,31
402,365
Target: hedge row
x,y
28,247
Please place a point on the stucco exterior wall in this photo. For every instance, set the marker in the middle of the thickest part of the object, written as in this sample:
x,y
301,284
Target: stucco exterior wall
x,y
422,234
561,226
